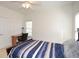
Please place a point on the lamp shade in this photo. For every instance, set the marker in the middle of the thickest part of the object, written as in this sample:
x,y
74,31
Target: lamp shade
x,y
77,29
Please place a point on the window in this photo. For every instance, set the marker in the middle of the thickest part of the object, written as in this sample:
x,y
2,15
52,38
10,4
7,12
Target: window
x,y
29,28
76,26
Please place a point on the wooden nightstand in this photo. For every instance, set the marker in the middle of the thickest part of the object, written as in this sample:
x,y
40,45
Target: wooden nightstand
x,y
14,40
8,49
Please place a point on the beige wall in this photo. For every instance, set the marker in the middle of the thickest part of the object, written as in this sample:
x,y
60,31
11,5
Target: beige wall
x,y
53,22
10,24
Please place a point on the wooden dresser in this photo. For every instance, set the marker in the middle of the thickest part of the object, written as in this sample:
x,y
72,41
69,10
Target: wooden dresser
x,y
14,40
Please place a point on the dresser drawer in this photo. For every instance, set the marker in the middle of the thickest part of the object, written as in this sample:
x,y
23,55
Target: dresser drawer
x,y
14,40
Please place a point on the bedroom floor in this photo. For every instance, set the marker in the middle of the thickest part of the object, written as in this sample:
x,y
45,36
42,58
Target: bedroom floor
x,y
3,53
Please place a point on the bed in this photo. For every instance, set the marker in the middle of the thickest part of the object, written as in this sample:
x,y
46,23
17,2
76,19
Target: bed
x,y
71,49
37,49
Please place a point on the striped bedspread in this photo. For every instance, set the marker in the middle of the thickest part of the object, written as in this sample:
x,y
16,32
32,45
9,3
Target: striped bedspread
x,y
37,49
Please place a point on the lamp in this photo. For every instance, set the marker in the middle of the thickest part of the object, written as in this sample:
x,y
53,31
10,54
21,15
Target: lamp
x,y
78,33
22,29
77,29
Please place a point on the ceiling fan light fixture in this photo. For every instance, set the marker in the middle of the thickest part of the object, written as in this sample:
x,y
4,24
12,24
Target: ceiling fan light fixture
x,y
26,5
23,5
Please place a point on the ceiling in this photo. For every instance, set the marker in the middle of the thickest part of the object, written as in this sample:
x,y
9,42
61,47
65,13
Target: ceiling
x,y
17,5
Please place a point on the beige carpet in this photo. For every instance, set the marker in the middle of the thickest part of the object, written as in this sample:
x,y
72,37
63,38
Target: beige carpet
x,y
3,53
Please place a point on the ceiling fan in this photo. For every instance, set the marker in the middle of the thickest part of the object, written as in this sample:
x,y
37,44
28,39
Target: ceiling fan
x,y
28,4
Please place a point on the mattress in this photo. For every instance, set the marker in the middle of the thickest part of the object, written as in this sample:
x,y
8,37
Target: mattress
x,y
37,49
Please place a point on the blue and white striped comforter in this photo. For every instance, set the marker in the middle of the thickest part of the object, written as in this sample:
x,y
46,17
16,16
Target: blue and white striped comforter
x,y
37,49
